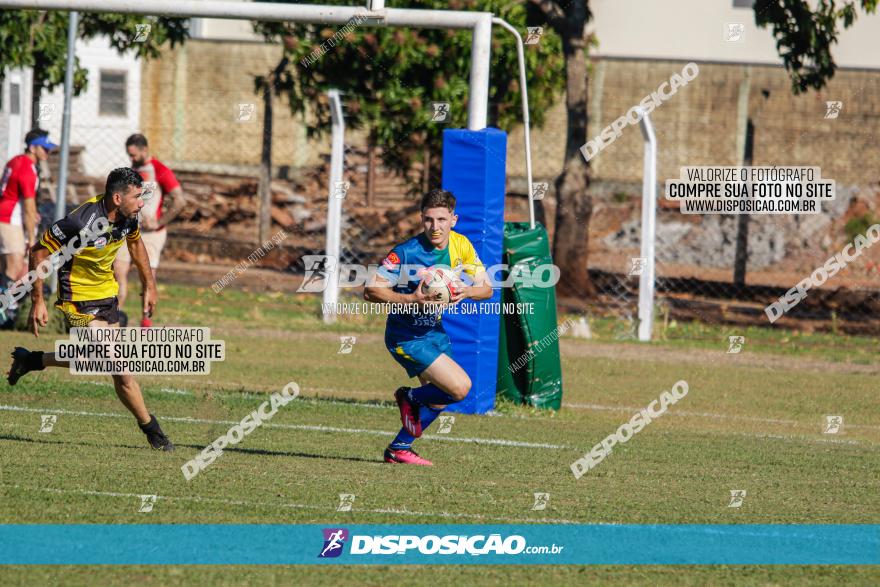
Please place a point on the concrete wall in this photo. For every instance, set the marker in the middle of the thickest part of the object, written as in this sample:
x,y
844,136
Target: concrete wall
x,y
191,105
697,29
102,135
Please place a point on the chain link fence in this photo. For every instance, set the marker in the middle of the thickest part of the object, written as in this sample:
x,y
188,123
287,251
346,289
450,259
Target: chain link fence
x,y
707,123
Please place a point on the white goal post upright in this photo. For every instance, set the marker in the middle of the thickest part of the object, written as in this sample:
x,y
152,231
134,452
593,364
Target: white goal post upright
x,y
649,223
334,206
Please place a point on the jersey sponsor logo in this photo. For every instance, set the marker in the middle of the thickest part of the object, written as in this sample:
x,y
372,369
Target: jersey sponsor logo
x,y
391,262
57,231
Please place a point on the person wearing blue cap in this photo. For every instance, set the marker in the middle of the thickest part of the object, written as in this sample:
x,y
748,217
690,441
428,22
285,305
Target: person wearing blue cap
x,y
18,207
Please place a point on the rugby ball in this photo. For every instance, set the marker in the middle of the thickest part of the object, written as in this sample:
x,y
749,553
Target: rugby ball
x,y
439,284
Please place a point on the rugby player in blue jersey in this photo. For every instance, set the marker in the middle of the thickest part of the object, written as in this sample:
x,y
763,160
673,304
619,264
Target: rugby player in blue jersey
x,y
417,340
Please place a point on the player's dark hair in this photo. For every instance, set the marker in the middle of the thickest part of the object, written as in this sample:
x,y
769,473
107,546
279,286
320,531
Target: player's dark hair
x,y
438,199
35,133
119,180
137,139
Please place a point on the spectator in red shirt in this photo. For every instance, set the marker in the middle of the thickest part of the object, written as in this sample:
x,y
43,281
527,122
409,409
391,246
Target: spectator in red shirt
x,y
153,218
18,207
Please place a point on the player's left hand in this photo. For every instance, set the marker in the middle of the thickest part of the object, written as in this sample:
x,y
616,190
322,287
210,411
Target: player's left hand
x,y
151,298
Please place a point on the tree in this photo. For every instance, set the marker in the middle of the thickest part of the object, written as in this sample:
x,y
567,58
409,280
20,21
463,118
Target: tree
x,y
389,77
38,39
804,36
574,204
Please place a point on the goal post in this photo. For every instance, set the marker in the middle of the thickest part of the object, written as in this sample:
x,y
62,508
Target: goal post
x,y
479,22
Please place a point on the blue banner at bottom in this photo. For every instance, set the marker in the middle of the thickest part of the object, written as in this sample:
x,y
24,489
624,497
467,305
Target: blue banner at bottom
x,y
441,544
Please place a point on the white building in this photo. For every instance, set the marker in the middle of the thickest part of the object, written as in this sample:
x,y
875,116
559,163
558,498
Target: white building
x,y
107,112
102,116
712,31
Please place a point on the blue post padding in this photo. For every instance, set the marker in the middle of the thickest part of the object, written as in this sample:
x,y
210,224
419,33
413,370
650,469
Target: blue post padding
x,y
474,170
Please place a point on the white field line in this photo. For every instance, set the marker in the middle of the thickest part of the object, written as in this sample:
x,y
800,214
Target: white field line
x,y
267,505
320,428
599,407
781,437
311,428
686,413
679,413
248,394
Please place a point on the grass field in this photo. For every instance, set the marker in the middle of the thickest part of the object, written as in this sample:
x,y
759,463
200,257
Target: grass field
x,y
751,421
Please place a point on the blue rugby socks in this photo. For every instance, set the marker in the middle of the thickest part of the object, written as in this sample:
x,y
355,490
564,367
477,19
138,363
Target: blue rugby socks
x,y
404,440
430,394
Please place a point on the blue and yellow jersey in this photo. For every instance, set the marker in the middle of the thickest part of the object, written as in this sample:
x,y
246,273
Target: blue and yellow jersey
x,y
401,265
88,275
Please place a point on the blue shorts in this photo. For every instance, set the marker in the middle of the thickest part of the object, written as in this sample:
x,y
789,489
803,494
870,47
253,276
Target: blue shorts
x,y
416,354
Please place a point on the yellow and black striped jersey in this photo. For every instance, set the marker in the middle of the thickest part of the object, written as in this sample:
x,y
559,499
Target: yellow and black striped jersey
x,y
88,275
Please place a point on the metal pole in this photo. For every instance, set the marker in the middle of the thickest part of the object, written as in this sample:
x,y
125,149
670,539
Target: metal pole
x,y
481,47
520,55
264,11
649,220
60,197
334,206
61,193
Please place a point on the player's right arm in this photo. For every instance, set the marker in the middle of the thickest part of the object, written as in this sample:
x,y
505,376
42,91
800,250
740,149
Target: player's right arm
x,y
53,240
39,315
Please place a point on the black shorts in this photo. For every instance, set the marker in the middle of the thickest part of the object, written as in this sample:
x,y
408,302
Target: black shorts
x,y
80,314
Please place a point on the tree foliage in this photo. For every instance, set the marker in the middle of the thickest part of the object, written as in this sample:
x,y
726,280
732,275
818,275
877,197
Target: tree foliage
x,y
804,35
389,77
38,39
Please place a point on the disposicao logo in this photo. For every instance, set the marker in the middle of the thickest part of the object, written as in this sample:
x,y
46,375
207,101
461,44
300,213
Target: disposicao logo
x,y
334,539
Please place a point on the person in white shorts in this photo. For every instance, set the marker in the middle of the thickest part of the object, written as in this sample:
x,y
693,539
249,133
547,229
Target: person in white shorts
x,y
154,216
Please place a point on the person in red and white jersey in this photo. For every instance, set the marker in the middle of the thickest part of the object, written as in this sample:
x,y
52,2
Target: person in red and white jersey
x,y
155,214
18,204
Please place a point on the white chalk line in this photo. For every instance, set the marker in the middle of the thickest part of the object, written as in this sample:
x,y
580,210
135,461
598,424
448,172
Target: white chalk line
x,y
686,413
499,442
395,511
578,406
321,428
306,427
574,406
